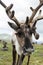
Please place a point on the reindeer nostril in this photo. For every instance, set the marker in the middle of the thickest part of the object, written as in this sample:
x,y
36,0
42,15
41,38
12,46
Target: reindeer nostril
x,y
24,49
32,47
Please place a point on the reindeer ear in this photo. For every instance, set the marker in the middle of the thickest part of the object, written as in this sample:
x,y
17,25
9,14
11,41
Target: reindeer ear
x,y
13,26
36,35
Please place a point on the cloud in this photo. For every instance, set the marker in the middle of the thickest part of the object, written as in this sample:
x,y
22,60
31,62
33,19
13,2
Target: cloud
x,y
39,26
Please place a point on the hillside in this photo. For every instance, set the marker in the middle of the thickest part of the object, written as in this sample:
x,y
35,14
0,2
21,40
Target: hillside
x,y
6,37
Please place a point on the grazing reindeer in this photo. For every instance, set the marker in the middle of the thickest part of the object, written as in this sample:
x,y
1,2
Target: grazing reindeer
x,y
22,40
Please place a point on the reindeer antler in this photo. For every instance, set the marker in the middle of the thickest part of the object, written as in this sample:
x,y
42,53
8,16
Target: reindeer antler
x,y
35,10
12,17
41,1
10,13
39,17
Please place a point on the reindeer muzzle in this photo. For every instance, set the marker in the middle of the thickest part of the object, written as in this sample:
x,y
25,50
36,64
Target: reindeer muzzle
x,y
28,51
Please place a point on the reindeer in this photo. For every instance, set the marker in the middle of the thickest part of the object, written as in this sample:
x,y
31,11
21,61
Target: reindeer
x,y
22,39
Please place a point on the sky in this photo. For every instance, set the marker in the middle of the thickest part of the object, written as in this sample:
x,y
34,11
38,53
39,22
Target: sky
x,y
22,10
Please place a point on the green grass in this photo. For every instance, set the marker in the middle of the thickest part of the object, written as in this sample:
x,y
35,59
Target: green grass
x,y
36,56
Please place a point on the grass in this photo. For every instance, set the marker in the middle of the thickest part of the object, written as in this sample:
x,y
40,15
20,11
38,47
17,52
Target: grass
x,y
36,56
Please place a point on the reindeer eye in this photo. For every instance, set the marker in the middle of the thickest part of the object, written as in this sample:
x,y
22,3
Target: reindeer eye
x,y
20,33
28,26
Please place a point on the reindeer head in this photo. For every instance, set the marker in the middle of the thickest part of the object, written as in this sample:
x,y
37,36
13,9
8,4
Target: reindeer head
x,y
24,35
25,30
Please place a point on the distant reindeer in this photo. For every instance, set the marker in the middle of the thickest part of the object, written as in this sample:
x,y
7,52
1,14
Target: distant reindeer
x,y
22,39
5,48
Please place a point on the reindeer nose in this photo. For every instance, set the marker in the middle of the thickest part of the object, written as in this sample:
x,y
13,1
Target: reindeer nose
x,y
29,50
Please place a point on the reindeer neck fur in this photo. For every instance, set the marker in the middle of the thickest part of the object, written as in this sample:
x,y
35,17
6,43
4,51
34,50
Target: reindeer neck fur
x,y
17,45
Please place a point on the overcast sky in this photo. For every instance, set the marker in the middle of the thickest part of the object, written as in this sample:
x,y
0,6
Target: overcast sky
x,y
22,9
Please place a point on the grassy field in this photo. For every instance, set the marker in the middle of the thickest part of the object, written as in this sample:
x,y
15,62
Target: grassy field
x,y
36,57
